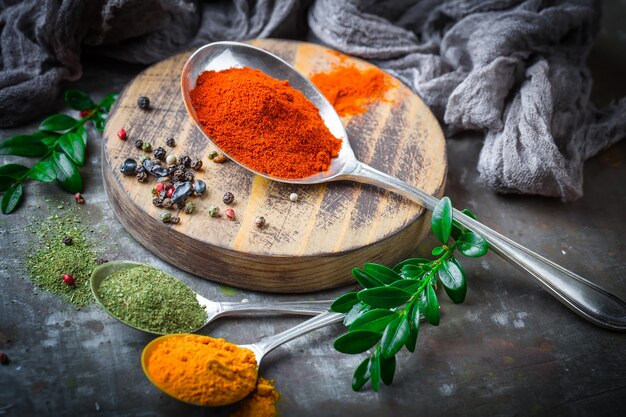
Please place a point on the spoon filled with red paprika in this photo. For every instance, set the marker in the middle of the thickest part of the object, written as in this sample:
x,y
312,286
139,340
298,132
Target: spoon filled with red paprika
x,y
270,119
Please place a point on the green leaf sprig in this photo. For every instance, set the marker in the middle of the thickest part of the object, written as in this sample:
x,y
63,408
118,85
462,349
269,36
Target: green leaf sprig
x,y
385,315
60,144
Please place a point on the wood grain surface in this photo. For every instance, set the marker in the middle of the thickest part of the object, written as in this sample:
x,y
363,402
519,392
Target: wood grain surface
x,y
308,245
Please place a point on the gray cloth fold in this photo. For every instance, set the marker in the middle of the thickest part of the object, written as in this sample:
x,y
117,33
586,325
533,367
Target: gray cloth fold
x,y
512,69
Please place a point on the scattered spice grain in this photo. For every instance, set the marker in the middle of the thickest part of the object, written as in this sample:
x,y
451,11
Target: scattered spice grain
x,y
47,265
261,402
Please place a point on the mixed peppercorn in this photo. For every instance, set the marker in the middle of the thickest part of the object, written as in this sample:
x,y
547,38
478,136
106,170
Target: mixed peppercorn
x,y
175,177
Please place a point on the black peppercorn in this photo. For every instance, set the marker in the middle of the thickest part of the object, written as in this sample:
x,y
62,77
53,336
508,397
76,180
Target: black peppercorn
x,y
170,142
228,198
188,176
143,102
196,165
142,176
158,202
174,219
159,153
178,175
141,168
138,143
185,161
67,240
167,202
128,167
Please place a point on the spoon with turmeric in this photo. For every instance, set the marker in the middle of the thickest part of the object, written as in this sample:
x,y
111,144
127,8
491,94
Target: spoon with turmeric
x,y
134,299
205,371
300,105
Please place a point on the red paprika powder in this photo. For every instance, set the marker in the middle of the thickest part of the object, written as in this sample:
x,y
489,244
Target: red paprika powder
x,y
351,90
263,123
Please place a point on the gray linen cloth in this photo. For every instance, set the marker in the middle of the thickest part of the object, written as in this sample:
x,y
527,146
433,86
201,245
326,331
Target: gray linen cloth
x,y
512,69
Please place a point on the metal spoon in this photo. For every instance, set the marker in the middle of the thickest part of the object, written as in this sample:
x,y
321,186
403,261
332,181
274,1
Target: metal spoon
x,y
260,348
213,309
582,296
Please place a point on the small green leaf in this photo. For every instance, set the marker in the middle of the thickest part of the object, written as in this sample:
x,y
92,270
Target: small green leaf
x,y
413,261
50,141
453,279
414,325
472,245
382,273
79,100
441,221
365,279
431,312
375,370
99,120
13,170
361,375
344,303
357,341
384,297
413,271
387,369
408,285
82,132
43,171
58,123
374,320
74,147
5,183
357,311
67,173
108,101
11,198
23,145
438,250
457,228
395,336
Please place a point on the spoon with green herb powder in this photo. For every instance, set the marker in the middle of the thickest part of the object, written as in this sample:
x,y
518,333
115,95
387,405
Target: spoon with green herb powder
x,y
148,299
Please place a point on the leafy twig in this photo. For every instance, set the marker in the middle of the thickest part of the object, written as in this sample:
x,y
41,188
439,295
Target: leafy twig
x,y
60,144
385,315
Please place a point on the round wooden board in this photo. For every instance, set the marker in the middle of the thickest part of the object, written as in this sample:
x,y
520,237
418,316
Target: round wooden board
x,y
308,245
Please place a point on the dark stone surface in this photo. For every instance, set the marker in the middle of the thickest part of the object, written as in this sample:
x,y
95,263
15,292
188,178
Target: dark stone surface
x,y
511,349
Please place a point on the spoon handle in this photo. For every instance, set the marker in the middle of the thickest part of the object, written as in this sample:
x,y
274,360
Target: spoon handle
x,y
585,298
270,343
286,307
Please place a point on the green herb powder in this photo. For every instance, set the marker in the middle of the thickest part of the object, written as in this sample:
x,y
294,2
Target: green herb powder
x,y
151,300
47,265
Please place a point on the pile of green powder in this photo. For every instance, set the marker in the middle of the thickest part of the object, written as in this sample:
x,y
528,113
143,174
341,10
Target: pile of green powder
x,y
151,300
54,258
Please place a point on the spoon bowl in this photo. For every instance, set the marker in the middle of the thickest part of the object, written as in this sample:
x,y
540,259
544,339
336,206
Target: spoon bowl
x,y
213,309
582,296
219,56
260,349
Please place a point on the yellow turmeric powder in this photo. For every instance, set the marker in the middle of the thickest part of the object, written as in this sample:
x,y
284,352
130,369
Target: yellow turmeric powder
x,y
200,369
261,403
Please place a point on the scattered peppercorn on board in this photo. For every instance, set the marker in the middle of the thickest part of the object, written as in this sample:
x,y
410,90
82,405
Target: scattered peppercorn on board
x,y
305,245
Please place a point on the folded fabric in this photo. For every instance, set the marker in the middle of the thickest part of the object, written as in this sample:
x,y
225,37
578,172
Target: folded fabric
x,y
512,69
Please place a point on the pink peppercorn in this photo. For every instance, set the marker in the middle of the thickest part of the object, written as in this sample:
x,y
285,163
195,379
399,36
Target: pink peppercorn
x,y
170,191
68,279
121,134
230,213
